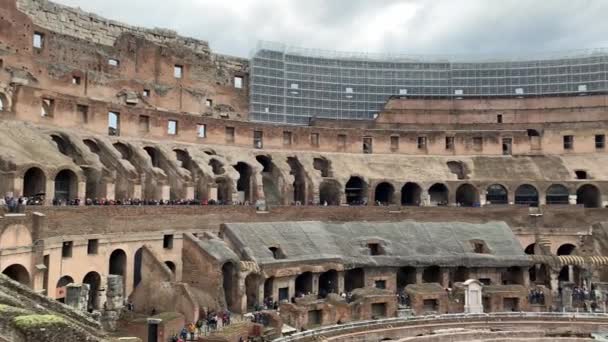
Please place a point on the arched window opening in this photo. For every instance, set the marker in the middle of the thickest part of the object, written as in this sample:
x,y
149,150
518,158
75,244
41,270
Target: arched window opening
x,y
328,283
266,162
384,193
329,192
3,103
61,144
124,150
566,249
153,154
304,284
18,273
410,194
93,279
171,266
589,196
323,165
356,191
557,194
530,249
497,194
34,183
60,290
277,252
299,181
458,168
183,157
467,196
438,194
216,166
118,263
66,184
243,185
526,194
92,145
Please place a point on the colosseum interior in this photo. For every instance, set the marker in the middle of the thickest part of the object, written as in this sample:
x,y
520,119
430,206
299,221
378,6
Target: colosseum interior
x,y
152,183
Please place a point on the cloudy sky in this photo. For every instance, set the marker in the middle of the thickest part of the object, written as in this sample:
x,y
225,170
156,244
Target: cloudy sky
x,y
487,27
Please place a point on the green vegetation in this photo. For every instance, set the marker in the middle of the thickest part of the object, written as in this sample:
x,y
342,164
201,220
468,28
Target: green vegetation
x,y
7,310
28,322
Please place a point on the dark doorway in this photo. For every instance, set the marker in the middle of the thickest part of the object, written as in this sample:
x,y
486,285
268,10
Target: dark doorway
x,y
467,196
328,283
497,194
34,182
354,279
384,193
356,191
410,194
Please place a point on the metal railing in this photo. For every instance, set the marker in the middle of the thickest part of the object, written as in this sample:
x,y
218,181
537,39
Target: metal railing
x,y
375,324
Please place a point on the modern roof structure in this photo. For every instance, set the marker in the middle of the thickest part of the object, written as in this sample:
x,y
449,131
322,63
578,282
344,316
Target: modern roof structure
x,y
293,85
406,243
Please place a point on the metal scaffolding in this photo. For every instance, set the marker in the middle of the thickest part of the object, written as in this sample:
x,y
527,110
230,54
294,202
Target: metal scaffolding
x,y
292,85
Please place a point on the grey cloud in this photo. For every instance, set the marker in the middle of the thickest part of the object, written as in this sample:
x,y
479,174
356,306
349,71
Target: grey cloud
x,y
391,26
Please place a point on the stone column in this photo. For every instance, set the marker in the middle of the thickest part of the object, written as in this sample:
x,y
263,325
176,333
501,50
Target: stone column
x,y
190,192
444,276
292,287
554,282
340,281
315,283
137,193
572,199
482,198
419,271
511,197
77,296
81,192
165,192
110,191
425,199
570,273
50,192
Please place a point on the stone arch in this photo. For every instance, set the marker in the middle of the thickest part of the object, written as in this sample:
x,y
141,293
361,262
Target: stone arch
x,y
384,193
34,182
431,274
124,150
183,157
62,145
224,190
328,283
244,184
438,194
118,263
93,279
18,273
299,180
66,185
228,284
60,291
154,155
589,196
530,249
252,284
497,194
526,194
411,194
330,192
458,168
467,195
137,267
216,166
92,145
16,235
566,249
266,162
557,194
271,180
304,283
356,191
323,165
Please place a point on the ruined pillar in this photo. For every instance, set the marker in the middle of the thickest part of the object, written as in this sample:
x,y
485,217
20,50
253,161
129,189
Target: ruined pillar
x,y
165,192
444,277
189,192
419,271
81,192
572,199
340,281
77,296
511,197
315,283
292,287
554,282
114,293
50,192
425,199
482,199
137,191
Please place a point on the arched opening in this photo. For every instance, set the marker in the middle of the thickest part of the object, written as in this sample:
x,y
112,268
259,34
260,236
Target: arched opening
x,y
328,283
243,185
458,168
304,284
224,190
405,276
266,162
171,266
467,196
329,192
66,184
589,196
216,166
566,249
526,194
93,279
118,263
354,279
299,180
18,273
384,193
92,145
431,274
137,267
60,290
557,194
252,283
34,182
153,153
271,180
530,249
460,275
410,194
512,276
356,191
323,165
269,289
125,152
3,102
183,157
228,275
497,194
61,144
438,194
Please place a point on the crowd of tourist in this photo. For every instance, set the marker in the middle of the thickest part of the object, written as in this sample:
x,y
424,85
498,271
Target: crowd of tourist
x,y
207,323
536,296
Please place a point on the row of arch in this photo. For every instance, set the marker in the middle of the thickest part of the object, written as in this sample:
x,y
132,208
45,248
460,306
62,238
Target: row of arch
x,y
356,192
